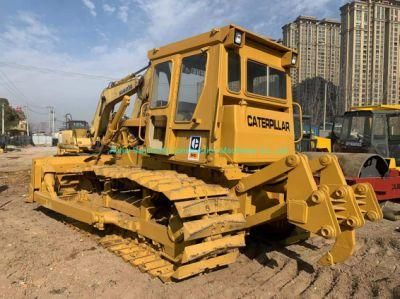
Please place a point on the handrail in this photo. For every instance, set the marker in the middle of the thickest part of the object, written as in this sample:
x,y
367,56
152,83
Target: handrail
x,y
140,121
300,121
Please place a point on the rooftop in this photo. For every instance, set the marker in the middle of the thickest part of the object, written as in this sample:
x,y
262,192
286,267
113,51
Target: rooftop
x,y
314,20
215,36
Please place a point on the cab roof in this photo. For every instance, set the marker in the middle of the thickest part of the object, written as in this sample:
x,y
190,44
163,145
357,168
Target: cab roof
x,y
365,112
376,108
215,36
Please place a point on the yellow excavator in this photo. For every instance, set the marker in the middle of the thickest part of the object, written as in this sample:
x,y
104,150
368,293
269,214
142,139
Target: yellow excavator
x,y
104,129
78,138
207,154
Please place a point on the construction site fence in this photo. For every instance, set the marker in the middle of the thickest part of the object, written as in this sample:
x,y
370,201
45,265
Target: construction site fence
x,y
6,140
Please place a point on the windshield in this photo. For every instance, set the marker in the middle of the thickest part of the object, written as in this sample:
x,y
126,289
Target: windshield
x,y
193,73
356,127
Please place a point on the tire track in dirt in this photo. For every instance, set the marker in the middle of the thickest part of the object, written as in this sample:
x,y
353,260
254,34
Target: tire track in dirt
x,y
272,285
296,286
259,267
289,270
340,287
301,280
334,283
319,285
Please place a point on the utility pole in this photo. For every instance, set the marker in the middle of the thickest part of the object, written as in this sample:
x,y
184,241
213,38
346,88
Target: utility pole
x,y
325,95
54,116
51,119
2,119
27,119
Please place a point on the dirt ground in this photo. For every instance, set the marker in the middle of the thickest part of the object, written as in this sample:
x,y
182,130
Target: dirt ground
x,y
41,256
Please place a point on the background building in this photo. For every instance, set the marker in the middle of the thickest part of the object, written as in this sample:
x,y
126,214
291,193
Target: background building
x,y
318,45
12,116
370,53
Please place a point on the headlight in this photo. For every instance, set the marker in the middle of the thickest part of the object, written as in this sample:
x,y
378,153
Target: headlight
x,y
294,59
238,38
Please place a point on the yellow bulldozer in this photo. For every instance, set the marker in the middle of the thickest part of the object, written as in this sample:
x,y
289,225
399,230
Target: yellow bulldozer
x,y
207,154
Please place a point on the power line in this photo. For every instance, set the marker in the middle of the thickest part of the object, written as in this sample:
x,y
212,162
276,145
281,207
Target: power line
x,y
9,88
52,71
15,91
36,112
12,84
4,83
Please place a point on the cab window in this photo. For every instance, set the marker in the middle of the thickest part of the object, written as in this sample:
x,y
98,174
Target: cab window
x,y
161,81
277,83
257,78
337,126
265,81
345,128
191,85
394,127
356,127
233,71
379,127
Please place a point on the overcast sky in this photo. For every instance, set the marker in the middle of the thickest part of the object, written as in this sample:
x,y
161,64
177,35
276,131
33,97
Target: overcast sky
x,y
110,38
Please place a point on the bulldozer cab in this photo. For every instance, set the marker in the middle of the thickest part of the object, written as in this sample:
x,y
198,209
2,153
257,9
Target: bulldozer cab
x,y
370,131
224,95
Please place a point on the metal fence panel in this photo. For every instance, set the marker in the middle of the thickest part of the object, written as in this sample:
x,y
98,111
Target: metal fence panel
x,y
42,140
15,140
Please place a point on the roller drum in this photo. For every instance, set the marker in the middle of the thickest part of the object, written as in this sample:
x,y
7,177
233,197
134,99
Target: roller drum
x,y
360,165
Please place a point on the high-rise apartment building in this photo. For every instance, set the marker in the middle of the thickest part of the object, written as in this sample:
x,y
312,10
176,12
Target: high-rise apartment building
x,y
318,45
370,62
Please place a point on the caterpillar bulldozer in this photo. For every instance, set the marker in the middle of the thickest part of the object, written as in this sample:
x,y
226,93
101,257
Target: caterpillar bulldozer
x,y
207,153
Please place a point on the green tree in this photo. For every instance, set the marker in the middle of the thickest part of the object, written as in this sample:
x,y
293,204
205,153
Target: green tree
x,y
11,117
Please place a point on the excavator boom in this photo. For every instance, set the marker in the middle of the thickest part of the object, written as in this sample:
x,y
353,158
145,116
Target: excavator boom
x,y
111,96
